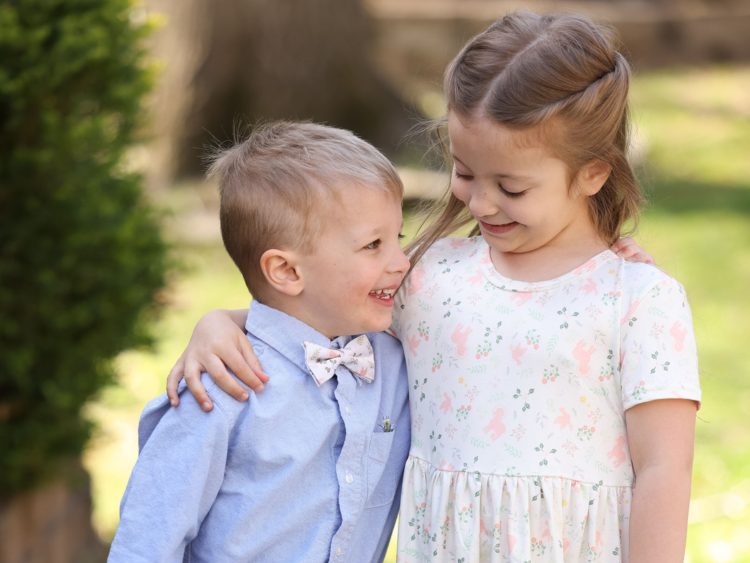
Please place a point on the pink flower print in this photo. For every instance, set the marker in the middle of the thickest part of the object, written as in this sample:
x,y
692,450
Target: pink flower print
x,y
432,290
459,337
472,393
414,343
596,415
593,311
563,420
445,406
678,333
424,331
415,281
496,426
628,317
656,331
521,297
590,287
585,266
570,448
463,413
484,349
418,422
476,278
532,338
517,352
583,356
437,361
617,453
518,432
450,430
550,374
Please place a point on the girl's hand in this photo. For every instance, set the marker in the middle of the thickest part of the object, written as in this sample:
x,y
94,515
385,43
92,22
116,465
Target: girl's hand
x,y
218,341
628,249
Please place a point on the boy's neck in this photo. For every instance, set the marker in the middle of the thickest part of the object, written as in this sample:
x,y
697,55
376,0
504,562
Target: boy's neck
x,y
295,307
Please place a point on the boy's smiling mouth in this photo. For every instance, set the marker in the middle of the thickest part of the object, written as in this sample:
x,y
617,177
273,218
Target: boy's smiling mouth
x,y
383,296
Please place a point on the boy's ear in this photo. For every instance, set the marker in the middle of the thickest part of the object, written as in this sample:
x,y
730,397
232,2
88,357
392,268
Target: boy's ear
x,y
282,271
592,176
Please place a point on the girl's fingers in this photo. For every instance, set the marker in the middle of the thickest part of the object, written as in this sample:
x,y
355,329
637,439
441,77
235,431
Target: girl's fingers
x,y
193,379
173,380
252,360
622,243
237,364
642,257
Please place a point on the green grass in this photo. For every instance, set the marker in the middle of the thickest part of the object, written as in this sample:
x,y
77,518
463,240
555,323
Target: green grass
x,y
696,126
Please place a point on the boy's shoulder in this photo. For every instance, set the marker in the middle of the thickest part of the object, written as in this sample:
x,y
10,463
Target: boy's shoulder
x,y
226,411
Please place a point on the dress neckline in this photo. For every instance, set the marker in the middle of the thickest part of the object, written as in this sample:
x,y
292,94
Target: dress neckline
x,y
497,279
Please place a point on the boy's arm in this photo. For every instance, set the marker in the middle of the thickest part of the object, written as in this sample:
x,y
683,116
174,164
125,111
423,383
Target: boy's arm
x,y
660,436
218,341
179,472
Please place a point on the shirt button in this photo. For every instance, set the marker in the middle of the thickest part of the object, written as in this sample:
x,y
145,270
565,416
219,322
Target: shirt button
x,y
338,550
349,478
348,410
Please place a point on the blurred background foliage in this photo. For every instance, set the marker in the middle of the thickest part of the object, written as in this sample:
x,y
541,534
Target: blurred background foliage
x,y
81,254
375,66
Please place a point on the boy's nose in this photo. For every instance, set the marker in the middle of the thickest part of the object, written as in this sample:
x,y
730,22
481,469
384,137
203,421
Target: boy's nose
x,y
400,262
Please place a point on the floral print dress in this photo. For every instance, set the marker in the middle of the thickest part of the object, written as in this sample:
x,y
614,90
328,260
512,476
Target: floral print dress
x,y
518,394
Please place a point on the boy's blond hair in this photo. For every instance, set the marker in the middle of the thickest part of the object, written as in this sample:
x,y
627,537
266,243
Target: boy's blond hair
x,y
275,187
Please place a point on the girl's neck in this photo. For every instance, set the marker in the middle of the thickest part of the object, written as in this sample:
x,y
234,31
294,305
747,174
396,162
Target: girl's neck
x,y
552,260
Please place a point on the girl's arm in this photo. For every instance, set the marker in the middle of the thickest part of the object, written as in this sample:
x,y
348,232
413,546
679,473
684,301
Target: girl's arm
x,y
660,436
217,339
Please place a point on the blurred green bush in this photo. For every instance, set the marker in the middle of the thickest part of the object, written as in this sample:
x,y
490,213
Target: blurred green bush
x,y
81,256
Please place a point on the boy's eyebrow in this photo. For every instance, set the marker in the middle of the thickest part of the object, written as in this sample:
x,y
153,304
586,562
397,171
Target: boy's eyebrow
x,y
497,175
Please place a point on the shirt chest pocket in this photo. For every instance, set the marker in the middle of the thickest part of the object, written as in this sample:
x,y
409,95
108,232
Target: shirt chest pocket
x,y
382,476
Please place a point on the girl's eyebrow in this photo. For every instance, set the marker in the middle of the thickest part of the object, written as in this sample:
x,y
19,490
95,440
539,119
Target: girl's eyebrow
x,y
498,175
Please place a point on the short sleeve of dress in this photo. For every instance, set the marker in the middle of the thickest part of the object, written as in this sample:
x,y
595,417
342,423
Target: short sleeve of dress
x,y
659,356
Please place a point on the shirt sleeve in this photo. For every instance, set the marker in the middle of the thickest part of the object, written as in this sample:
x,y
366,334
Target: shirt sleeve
x,y
659,356
179,472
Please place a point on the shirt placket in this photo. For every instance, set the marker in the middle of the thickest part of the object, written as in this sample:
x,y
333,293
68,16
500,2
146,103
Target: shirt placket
x,y
349,467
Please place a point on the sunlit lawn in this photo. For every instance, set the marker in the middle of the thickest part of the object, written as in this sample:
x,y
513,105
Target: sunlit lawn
x,y
696,129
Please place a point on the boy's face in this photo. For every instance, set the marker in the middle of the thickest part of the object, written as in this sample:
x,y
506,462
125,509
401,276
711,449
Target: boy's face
x,y
357,265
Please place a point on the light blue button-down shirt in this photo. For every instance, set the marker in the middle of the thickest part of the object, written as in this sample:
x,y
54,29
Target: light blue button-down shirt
x,y
296,473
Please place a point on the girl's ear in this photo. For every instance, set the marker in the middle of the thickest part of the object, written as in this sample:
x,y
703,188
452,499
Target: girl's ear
x,y
592,176
281,270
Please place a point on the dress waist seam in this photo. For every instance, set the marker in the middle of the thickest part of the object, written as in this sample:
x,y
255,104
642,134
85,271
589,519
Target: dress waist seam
x,y
504,476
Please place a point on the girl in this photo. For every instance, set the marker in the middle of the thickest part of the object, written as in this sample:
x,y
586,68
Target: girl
x,y
546,374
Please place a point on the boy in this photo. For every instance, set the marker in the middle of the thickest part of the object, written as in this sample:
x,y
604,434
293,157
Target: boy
x,y
309,469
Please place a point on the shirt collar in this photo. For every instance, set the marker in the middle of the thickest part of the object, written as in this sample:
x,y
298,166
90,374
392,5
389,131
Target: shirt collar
x,y
286,334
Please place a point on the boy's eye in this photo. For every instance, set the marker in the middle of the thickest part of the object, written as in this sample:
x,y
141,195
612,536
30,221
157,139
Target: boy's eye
x,y
373,245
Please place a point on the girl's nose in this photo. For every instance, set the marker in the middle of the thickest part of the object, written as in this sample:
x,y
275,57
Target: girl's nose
x,y
481,204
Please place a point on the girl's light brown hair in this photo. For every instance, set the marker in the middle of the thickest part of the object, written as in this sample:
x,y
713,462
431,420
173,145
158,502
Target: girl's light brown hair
x,y
559,74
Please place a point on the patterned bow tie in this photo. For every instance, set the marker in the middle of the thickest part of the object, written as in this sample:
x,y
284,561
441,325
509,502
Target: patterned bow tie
x,y
357,357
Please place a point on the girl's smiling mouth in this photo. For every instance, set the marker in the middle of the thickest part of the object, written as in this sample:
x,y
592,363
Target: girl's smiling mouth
x,y
498,229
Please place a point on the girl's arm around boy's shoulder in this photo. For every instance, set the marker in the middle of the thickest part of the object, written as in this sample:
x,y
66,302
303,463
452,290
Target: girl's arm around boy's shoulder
x,y
180,469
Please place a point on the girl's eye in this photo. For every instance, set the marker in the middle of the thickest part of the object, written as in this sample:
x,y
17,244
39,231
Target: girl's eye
x,y
373,245
461,176
512,194
401,237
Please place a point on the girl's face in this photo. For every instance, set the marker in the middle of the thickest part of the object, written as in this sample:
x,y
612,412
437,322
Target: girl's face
x,y
518,193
